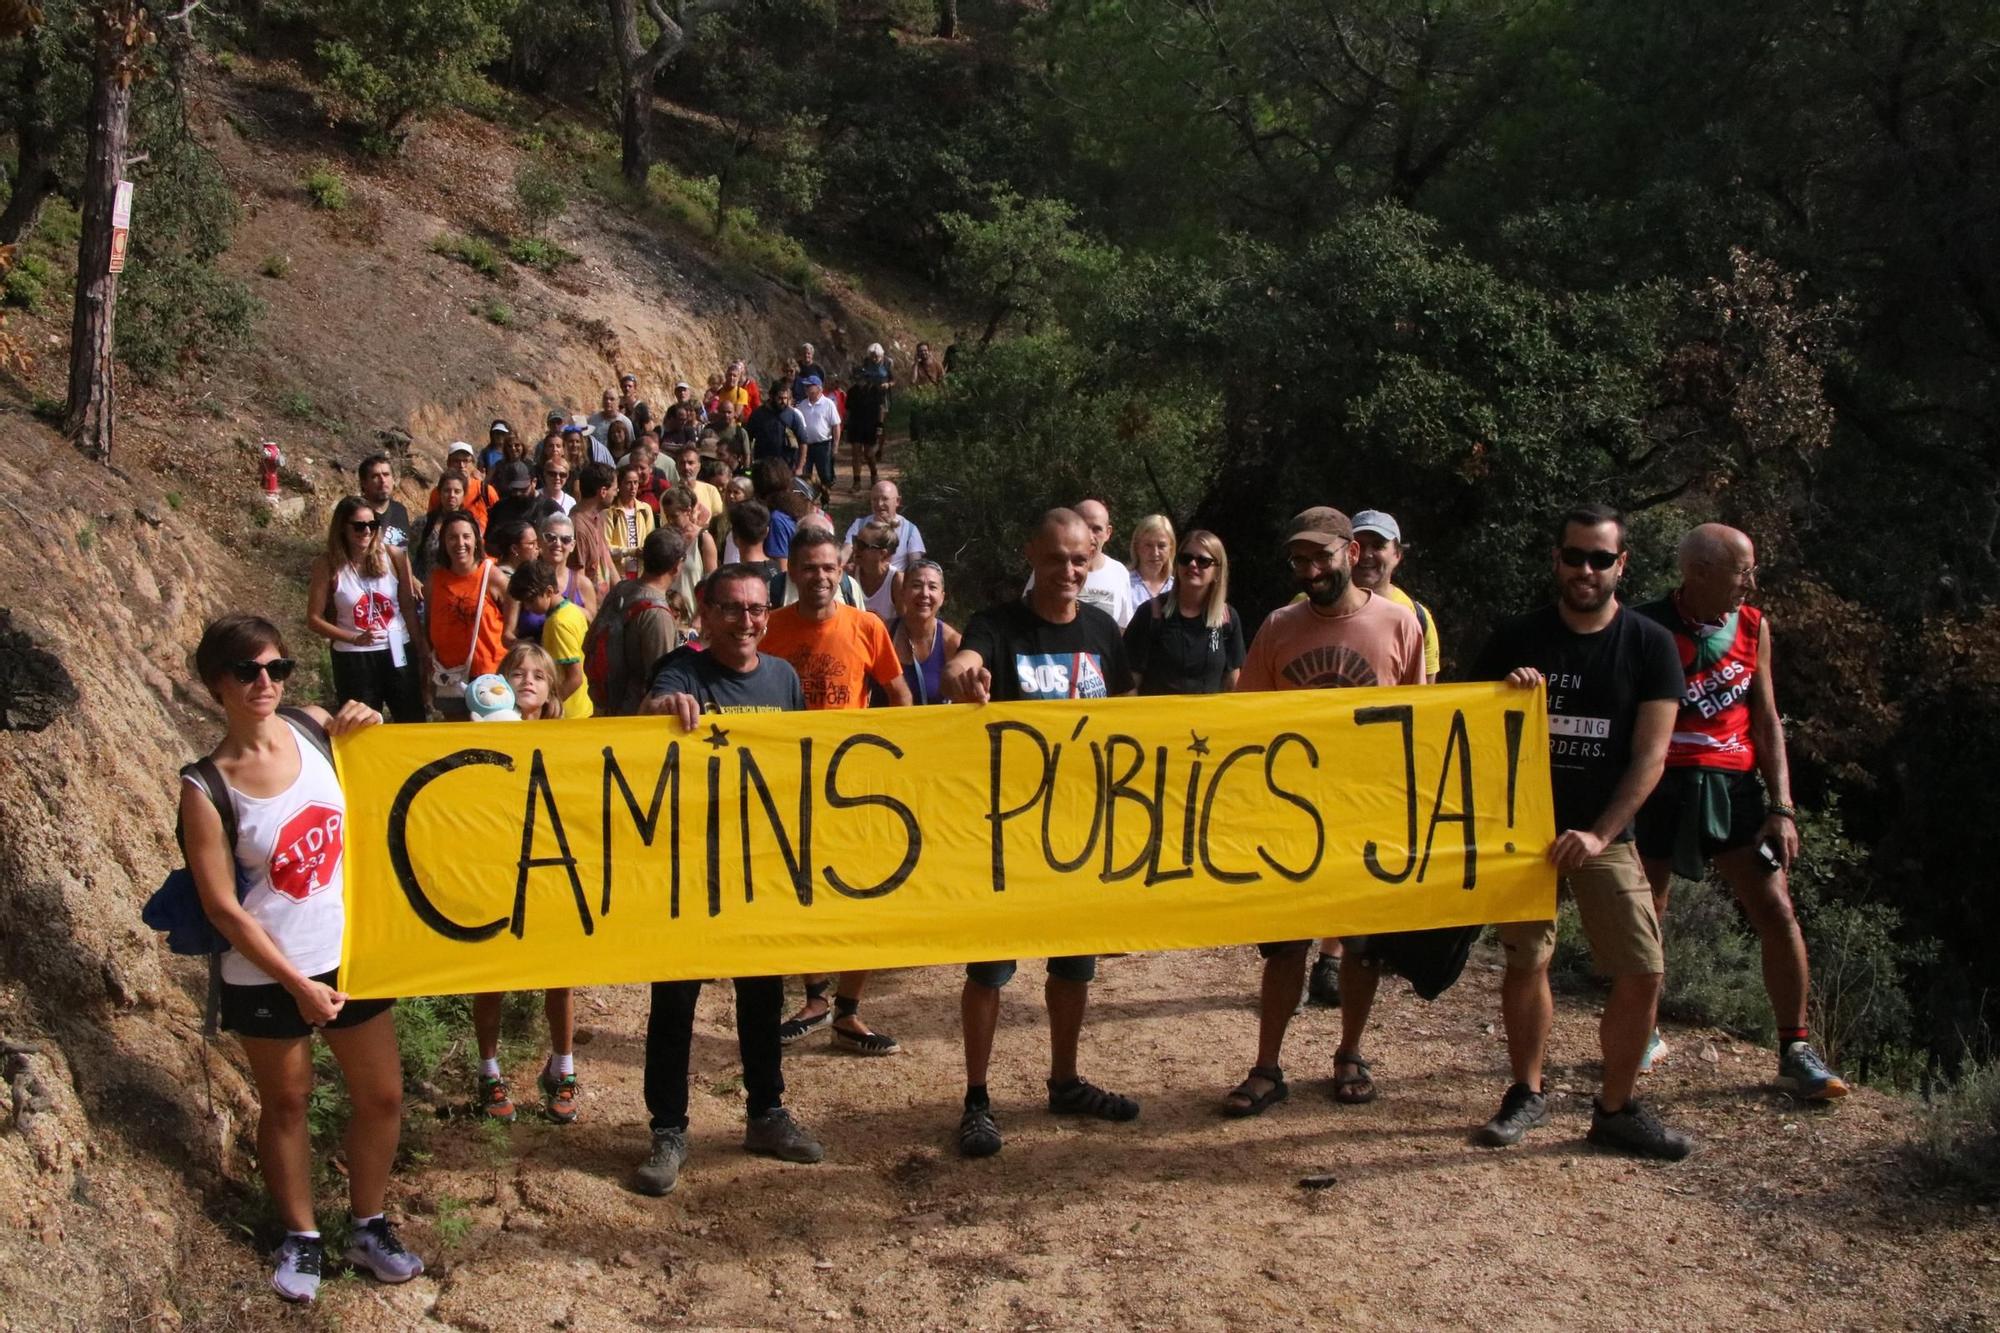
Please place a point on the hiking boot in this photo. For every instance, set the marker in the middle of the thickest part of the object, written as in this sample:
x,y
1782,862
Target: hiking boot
x,y
376,1247
1521,1110
978,1132
495,1101
1323,987
662,1170
558,1096
776,1134
1801,1071
296,1275
1656,1049
1636,1130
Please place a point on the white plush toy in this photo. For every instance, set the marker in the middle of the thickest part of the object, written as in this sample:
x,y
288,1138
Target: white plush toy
x,y
490,698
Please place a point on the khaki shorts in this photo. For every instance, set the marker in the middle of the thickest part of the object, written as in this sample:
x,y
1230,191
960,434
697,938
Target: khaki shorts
x,y
1616,905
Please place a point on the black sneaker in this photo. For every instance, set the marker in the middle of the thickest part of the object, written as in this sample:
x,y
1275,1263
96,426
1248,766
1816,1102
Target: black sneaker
x,y
978,1132
1638,1131
1521,1110
1323,987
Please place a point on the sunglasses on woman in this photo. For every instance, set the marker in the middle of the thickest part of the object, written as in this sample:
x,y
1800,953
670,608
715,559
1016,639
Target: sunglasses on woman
x,y
359,525
1576,558
278,668
1196,560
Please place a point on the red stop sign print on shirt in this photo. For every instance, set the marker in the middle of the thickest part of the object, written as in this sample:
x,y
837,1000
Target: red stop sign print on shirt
x,y
372,611
307,851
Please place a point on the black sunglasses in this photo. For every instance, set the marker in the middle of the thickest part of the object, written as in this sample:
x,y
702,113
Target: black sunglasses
x,y
1576,558
876,546
278,668
365,524
1195,559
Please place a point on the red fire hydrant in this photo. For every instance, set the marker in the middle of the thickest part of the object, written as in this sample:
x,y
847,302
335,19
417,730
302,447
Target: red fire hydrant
x,y
271,458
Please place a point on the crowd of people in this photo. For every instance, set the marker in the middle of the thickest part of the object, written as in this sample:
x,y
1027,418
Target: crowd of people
x,y
681,563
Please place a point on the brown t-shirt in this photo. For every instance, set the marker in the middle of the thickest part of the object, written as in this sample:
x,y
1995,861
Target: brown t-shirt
x,y
835,657
1297,648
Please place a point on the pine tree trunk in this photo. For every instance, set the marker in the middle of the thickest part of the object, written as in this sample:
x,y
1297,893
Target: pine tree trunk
x,y
91,414
947,18
34,169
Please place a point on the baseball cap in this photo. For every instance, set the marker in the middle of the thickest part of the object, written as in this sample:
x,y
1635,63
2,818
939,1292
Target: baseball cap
x,y
556,414
683,384
574,430
512,475
1327,526
460,447
501,426
808,381
1379,523
628,378
875,349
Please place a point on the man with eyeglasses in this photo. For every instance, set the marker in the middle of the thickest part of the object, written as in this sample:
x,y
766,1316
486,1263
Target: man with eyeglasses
x,y
885,505
1341,635
1614,685
731,676
1710,806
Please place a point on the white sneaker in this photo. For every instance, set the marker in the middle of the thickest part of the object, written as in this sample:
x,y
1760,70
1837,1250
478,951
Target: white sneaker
x,y
296,1277
1656,1049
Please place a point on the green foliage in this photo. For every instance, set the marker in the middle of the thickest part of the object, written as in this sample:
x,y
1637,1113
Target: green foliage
x,y
298,405
535,252
28,281
1018,258
175,500
1958,1139
472,251
453,1221
326,187
539,196
385,62
275,266
498,312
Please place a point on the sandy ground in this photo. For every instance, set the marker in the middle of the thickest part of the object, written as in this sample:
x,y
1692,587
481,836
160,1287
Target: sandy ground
x,y
1786,1217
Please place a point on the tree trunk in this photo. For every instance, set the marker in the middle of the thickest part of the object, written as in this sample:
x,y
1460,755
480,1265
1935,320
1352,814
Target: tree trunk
x,y
636,128
947,18
91,414
34,171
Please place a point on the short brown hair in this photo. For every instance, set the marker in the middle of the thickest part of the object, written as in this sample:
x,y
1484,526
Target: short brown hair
x,y
235,637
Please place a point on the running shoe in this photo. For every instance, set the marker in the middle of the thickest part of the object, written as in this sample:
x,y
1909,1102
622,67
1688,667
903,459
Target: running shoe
x,y
1323,987
1636,1130
495,1101
776,1134
662,1170
1656,1050
377,1248
1801,1071
296,1275
558,1096
1521,1110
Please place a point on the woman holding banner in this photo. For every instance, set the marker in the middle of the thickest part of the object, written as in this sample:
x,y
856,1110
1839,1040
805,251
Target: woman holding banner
x,y
261,822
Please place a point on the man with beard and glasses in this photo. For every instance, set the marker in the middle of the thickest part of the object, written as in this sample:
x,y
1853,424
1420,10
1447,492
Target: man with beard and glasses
x,y
1340,635
1614,686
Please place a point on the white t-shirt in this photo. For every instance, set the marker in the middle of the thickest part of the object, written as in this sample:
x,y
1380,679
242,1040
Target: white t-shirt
x,y
820,418
290,850
909,542
1109,589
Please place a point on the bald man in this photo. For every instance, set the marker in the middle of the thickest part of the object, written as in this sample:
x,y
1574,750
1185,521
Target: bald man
x,y
885,504
1108,584
1047,645
1710,805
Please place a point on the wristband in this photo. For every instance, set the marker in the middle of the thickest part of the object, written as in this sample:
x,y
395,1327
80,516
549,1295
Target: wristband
x,y
1781,812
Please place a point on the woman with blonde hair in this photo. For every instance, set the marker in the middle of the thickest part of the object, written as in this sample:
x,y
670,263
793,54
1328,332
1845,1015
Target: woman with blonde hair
x,y
1189,640
1152,558
362,599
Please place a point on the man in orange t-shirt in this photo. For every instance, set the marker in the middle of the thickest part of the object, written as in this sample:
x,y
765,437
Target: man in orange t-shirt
x,y
836,650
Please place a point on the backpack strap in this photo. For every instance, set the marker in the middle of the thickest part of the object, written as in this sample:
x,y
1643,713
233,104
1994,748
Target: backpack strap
x,y
307,726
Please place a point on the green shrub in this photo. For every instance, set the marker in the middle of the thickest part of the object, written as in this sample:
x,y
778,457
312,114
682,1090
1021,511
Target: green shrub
x,y
498,312
298,404
28,281
475,253
534,252
326,187
385,63
1958,1138
539,196
275,266
175,306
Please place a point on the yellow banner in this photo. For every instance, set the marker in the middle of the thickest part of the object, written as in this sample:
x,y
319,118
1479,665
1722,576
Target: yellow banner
x,y
517,856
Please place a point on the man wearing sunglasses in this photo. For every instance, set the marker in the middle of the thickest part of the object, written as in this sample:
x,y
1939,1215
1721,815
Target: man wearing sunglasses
x,y
732,676
1710,805
1614,685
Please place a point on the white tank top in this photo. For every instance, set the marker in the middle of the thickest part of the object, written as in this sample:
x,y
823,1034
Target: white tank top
x,y
362,603
290,852
881,602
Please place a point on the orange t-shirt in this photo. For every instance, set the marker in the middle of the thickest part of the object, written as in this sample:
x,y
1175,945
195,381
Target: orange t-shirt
x,y
452,603
835,657
477,501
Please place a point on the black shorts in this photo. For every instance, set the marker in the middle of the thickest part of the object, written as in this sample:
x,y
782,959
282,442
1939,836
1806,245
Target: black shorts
x,y
1354,947
864,431
1657,825
270,1011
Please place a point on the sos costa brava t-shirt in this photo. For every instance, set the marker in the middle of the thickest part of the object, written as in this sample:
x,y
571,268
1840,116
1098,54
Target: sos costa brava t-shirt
x,y
1033,658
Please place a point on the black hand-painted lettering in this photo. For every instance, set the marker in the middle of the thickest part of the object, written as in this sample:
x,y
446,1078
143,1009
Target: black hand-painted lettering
x,y
1271,784
538,790
1458,744
399,848
1404,716
646,823
1155,875
1208,811
714,835
798,867
995,744
1055,862
913,835
1118,789
1514,720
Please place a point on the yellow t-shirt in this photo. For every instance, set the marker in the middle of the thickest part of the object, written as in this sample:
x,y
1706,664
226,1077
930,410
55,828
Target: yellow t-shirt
x,y
562,636
1433,656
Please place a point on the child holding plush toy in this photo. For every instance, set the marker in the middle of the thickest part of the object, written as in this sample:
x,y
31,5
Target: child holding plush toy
x,y
531,675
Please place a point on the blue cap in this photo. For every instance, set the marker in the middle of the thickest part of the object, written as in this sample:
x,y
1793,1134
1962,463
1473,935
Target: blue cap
x,y
808,381
573,430
1379,523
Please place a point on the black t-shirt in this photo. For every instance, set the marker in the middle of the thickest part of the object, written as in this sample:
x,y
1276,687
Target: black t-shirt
x,y
396,530
1032,658
1173,654
1596,683
769,687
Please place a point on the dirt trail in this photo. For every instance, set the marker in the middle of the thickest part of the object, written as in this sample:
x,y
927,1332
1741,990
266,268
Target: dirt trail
x,y
1785,1217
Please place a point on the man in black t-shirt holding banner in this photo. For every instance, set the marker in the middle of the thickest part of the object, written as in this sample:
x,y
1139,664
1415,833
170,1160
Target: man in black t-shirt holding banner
x,y
1614,685
1046,646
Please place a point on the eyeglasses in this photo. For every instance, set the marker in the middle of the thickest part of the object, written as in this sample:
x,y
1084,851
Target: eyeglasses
x,y
278,668
1195,559
1324,560
364,525
741,610
1576,558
